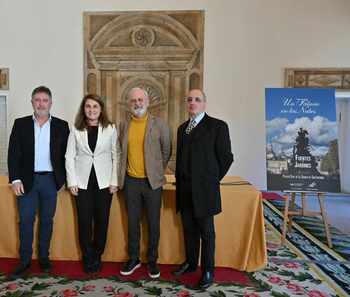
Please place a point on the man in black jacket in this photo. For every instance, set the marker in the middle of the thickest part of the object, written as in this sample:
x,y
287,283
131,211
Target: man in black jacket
x,y
36,164
203,158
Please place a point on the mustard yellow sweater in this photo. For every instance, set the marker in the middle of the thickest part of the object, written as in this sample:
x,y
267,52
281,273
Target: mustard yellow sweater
x,y
136,137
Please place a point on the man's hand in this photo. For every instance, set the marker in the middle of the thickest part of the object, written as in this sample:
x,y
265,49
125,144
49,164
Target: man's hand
x,y
113,189
74,190
17,188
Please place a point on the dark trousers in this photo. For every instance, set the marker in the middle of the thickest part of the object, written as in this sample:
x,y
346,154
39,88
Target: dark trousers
x,y
138,192
93,207
197,230
43,196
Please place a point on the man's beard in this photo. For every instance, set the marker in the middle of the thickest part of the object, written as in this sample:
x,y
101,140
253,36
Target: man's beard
x,y
139,112
42,113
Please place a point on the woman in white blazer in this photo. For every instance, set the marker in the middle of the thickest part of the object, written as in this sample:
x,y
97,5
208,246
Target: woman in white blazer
x,y
91,164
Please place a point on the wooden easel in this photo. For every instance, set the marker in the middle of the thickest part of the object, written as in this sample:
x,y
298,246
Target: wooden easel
x,y
287,214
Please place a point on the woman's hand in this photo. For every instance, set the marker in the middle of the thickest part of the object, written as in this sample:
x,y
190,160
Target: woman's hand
x,y
74,190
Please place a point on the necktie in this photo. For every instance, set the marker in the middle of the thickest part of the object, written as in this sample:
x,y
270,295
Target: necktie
x,y
190,126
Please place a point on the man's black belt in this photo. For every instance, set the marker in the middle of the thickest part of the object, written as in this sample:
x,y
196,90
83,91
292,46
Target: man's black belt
x,y
42,172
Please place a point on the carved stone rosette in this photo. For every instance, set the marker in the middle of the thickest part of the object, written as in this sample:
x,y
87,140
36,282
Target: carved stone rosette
x,y
161,51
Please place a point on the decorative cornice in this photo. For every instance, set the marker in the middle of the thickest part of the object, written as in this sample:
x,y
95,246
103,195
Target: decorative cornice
x,y
338,78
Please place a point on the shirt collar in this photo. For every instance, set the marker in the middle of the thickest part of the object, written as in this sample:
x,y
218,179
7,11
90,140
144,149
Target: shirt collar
x,y
35,120
198,117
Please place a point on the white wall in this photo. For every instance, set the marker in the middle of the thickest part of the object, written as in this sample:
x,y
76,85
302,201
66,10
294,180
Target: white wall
x,y
248,43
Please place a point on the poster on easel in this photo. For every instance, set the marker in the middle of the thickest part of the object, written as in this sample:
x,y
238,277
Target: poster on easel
x,y
301,140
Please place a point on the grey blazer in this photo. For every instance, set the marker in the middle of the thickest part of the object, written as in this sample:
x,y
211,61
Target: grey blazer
x,y
157,150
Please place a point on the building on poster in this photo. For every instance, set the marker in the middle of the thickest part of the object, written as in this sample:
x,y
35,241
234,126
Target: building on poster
x,y
301,140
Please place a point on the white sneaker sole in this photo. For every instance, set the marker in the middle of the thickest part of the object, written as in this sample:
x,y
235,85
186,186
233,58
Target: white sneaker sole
x,y
131,271
154,275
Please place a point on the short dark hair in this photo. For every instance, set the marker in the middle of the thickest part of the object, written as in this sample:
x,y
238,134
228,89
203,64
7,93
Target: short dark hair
x,y
42,89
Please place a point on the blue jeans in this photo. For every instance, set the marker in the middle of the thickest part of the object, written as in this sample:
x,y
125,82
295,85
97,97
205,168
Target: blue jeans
x,y
42,197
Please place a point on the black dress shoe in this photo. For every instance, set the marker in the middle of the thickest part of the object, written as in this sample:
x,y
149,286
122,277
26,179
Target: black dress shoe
x,y
184,268
87,264
96,264
45,265
20,270
206,281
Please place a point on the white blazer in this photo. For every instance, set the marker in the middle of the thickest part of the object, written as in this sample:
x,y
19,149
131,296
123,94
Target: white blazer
x,y
80,158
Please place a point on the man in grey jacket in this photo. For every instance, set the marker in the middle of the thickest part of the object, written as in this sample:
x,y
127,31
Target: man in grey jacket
x,y
145,144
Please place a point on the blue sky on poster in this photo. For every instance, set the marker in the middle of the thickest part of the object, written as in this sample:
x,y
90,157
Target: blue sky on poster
x,y
287,110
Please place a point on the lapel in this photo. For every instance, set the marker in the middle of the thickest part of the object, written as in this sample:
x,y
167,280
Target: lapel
x,y
85,139
200,129
52,134
99,137
31,136
149,126
125,132
182,132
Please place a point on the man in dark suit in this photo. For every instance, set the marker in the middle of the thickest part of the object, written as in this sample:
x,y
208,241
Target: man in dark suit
x,y
36,164
203,158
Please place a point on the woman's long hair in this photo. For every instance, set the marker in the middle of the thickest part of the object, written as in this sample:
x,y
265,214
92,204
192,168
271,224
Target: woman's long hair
x,y
81,120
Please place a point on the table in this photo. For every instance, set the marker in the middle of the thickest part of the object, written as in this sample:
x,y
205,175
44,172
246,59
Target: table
x,y
240,233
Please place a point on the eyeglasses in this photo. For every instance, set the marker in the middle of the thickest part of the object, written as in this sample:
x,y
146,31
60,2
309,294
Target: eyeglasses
x,y
191,99
135,100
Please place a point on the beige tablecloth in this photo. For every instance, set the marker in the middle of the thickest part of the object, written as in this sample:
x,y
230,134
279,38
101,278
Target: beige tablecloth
x,y
240,234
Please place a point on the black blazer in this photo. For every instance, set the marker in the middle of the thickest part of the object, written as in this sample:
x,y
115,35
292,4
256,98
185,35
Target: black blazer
x,y
21,151
211,157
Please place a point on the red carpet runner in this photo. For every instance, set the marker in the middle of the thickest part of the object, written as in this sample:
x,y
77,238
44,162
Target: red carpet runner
x,y
73,269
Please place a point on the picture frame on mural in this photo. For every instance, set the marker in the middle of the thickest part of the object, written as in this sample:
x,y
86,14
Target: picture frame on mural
x,y
4,78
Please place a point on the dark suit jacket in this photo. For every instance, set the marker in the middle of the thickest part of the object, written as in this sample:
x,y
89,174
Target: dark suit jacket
x,y
21,151
211,157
